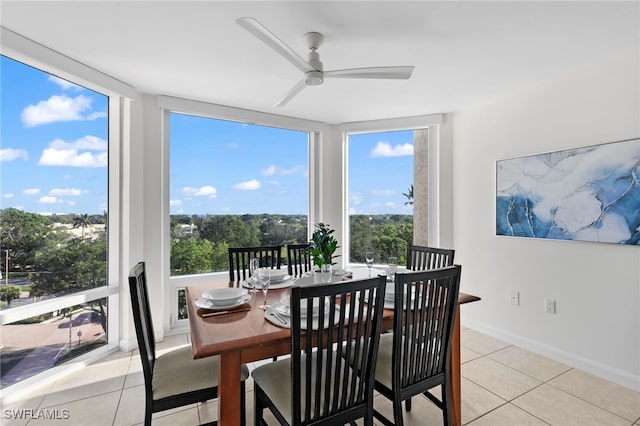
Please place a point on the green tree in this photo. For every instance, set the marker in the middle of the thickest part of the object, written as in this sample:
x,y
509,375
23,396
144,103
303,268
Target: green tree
x,y
230,229
81,221
76,265
9,293
23,234
191,256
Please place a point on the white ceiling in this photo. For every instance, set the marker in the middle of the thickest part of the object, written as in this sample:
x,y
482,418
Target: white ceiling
x,y
463,52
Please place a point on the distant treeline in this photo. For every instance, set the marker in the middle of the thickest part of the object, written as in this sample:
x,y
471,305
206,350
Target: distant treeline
x,y
199,244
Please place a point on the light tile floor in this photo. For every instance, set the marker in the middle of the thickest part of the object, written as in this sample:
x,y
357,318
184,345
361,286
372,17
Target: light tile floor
x,y
502,385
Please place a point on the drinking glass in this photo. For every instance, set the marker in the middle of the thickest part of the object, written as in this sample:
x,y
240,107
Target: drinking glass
x,y
254,266
264,275
368,257
393,267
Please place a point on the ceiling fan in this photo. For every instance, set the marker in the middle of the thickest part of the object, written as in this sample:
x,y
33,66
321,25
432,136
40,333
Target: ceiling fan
x,y
312,68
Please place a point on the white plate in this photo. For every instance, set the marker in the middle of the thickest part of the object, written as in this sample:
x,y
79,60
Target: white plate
x,y
390,296
284,308
224,296
288,282
268,314
390,303
208,304
278,275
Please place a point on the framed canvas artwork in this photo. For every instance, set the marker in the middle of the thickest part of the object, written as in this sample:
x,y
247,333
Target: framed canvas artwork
x,y
582,194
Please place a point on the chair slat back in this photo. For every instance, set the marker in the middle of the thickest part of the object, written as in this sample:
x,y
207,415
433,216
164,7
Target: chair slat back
x,y
142,320
298,259
339,361
421,258
423,331
239,257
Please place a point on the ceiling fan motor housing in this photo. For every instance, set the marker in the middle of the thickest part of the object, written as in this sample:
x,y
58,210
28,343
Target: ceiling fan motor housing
x,y
315,77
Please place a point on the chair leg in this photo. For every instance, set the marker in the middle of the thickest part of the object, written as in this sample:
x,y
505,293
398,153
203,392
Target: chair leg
x,y
147,414
243,404
258,406
407,404
397,412
447,418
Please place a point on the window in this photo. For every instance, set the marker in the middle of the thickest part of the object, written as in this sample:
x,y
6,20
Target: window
x,y
233,184
53,220
380,194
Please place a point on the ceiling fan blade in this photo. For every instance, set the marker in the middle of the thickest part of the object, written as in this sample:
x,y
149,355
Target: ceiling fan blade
x,y
374,72
291,93
260,31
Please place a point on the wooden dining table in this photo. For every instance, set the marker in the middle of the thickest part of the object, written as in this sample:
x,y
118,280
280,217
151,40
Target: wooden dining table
x,y
246,336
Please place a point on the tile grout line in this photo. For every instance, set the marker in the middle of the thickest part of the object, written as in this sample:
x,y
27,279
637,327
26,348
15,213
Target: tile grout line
x,y
508,401
589,402
547,382
124,382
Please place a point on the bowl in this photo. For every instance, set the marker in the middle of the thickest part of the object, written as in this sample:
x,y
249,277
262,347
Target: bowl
x,y
277,275
224,296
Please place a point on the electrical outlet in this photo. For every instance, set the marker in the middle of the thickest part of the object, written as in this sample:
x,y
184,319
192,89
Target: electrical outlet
x,y
515,298
550,306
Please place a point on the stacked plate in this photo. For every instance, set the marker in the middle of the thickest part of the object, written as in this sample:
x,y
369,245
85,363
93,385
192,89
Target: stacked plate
x,y
278,279
284,307
223,298
278,275
390,296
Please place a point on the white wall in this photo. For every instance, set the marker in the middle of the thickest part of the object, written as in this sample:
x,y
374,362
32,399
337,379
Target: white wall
x,y
596,286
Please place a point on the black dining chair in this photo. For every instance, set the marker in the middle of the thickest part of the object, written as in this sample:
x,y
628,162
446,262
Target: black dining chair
x,y
421,258
298,259
173,379
416,356
269,256
319,385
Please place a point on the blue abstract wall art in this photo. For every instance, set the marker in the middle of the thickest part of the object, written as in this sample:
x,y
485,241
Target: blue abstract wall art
x,y
583,194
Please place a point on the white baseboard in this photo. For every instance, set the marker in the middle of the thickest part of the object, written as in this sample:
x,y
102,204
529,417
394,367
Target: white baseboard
x,y
127,345
597,369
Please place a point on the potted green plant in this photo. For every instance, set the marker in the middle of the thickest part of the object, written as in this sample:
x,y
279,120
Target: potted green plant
x,y
322,247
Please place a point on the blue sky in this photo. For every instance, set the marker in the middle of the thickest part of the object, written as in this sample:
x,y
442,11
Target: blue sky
x,y
53,150
53,157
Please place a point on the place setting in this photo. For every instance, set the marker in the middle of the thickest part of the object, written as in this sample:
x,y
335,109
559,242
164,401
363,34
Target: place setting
x,y
278,279
222,301
279,313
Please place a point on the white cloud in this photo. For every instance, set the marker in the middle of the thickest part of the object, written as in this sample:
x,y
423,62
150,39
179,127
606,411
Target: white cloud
x,y
390,204
50,200
70,192
355,198
382,192
64,84
76,153
9,154
8,195
31,191
269,171
250,185
59,108
384,149
174,203
274,170
205,191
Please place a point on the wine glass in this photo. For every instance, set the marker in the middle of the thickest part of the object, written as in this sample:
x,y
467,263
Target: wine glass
x,y
264,276
368,257
393,267
254,266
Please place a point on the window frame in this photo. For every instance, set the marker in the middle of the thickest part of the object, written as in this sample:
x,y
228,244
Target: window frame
x,y
168,105
119,95
432,123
